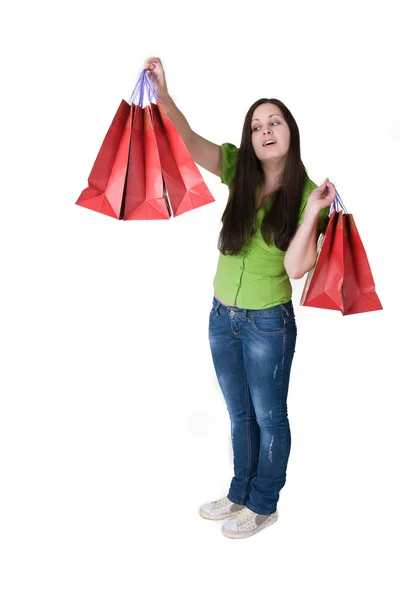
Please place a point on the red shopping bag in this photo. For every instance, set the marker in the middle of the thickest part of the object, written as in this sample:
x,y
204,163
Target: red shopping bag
x,y
341,271
332,284
130,179
145,190
171,175
184,183
314,292
341,283
107,177
367,298
173,184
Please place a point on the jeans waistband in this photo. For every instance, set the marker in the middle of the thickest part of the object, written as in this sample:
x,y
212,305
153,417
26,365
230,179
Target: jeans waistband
x,y
287,307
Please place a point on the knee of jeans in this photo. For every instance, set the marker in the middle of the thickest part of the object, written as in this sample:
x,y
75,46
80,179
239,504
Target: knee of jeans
x,y
271,421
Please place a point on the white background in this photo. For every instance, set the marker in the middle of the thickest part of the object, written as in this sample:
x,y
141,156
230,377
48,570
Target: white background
x,y
113,428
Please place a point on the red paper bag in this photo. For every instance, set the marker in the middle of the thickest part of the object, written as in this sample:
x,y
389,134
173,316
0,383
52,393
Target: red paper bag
x,y
367,298
171,175
107,177
314,293
339,275
341,283
144,195
128,179
185,185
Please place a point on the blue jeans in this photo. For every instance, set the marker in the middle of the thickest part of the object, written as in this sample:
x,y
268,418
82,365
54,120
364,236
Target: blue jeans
x,y
252,352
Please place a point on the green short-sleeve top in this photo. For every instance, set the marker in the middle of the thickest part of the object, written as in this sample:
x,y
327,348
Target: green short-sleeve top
x,y
256,277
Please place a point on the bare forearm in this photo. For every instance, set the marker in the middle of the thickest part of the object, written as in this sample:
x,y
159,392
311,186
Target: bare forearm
x,y
205,153
302,252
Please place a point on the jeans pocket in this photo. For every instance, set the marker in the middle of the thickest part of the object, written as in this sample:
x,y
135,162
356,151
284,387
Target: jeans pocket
x,y
268,325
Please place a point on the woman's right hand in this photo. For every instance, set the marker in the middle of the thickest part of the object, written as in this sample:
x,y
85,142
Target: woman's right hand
x,y
154,67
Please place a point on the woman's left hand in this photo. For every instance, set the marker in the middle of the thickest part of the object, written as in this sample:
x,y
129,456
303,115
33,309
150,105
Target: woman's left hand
x,y
322,196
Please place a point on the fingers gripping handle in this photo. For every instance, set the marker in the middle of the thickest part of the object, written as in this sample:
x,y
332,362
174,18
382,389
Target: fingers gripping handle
x,y
337,204
144,92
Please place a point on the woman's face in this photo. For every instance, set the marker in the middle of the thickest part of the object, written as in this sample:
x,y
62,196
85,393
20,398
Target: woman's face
x,y
268,123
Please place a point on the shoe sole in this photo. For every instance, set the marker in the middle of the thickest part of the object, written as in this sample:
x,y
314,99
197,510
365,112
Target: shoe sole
x,y
219,518
242,534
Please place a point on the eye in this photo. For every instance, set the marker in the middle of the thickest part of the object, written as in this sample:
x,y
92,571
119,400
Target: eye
x,y
272,123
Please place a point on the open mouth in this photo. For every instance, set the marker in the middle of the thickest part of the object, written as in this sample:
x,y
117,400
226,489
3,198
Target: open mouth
x,y
271,143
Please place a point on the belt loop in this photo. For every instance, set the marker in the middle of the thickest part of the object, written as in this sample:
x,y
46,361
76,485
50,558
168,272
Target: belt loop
x,y
217,307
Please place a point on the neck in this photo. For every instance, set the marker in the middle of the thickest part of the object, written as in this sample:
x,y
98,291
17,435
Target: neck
x,y
273,171
271,184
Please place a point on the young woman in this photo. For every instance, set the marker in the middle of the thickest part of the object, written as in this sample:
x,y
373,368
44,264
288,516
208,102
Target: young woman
x,y
270,229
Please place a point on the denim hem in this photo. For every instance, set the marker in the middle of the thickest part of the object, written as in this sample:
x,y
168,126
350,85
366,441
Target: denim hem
x,y
234,501
254,509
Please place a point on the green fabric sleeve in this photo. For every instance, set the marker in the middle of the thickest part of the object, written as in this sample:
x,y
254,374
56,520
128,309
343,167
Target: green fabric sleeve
x,y
229,161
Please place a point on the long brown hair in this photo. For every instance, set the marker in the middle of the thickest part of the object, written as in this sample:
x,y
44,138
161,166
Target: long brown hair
x,y
279,224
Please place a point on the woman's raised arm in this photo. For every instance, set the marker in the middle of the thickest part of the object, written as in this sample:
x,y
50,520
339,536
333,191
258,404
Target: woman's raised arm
x,y
204,153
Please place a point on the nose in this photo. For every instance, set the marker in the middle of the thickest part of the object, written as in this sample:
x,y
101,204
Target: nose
x,y
269,130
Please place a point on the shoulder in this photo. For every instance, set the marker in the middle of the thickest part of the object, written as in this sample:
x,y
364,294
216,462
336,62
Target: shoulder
x,y
229,161
309,186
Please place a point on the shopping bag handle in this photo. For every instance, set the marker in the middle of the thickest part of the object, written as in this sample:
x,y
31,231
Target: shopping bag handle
x,y
143,85
337,204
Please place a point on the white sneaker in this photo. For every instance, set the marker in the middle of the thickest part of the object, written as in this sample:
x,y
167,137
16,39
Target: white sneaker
x,y
220,509
246,522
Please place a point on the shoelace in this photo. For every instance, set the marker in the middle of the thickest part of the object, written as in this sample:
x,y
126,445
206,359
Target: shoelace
x,y
220,503
244,515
